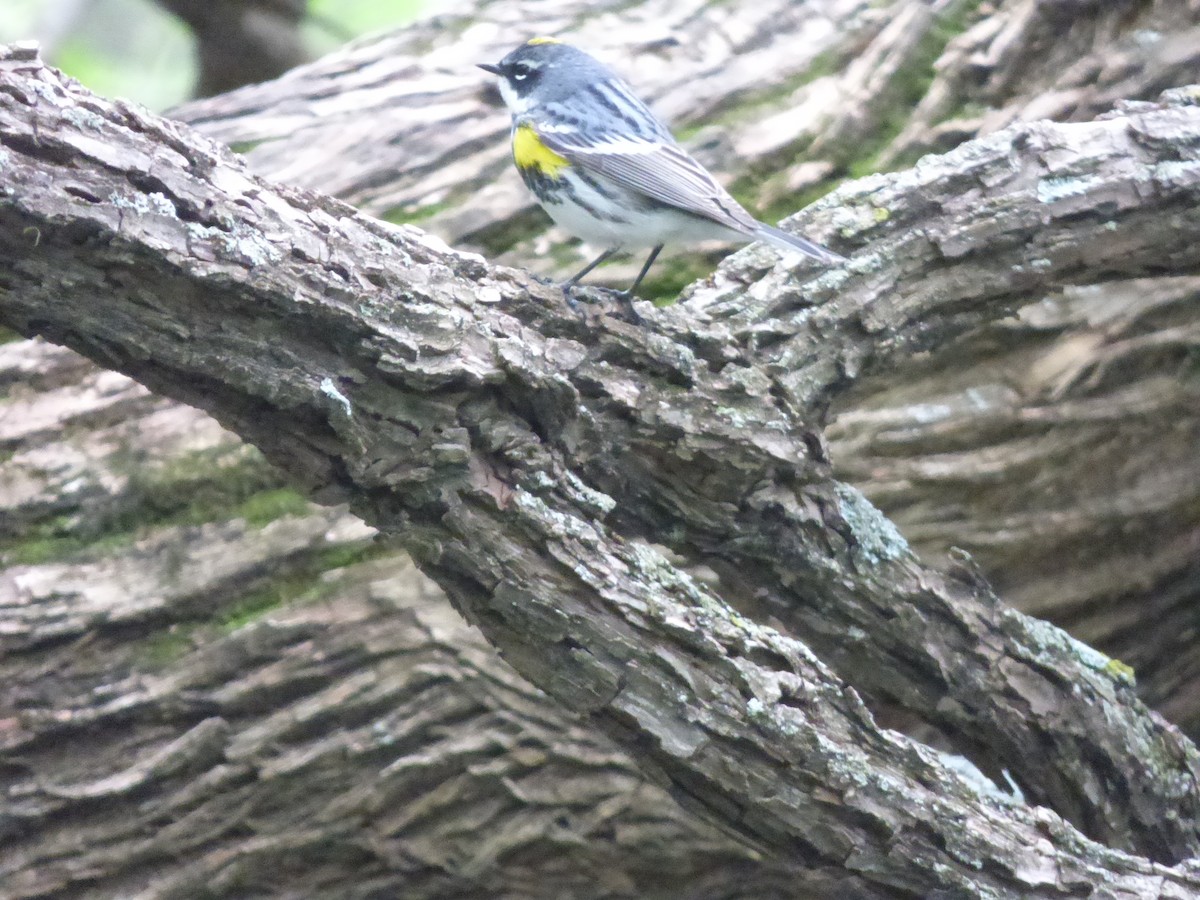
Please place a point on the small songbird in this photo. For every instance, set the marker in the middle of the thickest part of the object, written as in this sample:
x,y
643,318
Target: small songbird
x,y
607,170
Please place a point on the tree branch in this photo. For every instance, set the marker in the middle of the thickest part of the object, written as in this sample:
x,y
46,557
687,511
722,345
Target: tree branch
x,y
376,367
1060,455
159,586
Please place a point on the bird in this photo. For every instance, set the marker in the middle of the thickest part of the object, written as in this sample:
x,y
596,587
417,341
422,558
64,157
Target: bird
x,y
607,170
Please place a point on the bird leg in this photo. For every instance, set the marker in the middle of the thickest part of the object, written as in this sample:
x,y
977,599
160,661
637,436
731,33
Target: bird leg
x,y
574,279
628,295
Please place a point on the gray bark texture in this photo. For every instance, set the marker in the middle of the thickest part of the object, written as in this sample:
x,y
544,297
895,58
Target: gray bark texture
x,y
213,688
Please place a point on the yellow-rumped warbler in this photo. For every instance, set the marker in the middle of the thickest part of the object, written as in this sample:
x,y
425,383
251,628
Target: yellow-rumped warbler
x,y
606,169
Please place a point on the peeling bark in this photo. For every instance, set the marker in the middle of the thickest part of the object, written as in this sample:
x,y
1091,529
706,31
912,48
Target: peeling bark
x,y
463,408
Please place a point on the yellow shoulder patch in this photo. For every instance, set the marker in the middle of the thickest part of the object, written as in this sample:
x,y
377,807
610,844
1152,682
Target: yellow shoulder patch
x,y
530,153
543,40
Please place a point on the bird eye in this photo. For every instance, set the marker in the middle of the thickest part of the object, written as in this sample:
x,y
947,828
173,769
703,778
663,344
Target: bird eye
x,y
521,71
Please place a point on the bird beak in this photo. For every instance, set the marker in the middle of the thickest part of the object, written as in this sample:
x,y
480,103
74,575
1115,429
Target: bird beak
x,y
489,67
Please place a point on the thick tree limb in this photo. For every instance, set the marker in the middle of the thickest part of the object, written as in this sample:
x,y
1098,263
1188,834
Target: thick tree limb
x,y
1058,450
366,709
485,418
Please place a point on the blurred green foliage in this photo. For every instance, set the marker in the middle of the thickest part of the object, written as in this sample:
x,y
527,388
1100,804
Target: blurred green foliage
x,y
136,50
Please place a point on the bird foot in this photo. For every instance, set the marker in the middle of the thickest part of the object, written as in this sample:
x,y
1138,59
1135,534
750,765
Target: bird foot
x,y
567,288
624,298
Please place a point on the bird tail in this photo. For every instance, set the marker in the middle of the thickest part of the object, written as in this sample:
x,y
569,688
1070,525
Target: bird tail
x,y
785,241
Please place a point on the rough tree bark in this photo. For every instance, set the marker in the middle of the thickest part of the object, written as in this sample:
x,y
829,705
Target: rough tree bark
x,y
1088,388
662,478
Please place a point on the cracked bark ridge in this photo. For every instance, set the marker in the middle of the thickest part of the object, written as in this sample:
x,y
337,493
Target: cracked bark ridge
x,y
409,381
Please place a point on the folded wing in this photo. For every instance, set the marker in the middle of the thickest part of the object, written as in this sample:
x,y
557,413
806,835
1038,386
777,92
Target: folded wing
x,y
662,172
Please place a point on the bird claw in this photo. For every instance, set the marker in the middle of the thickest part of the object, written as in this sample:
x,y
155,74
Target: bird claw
x,y
571,301
624,298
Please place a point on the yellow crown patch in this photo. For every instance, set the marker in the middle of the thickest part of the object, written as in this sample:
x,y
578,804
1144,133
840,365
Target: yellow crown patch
x,y
530,153
543,40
